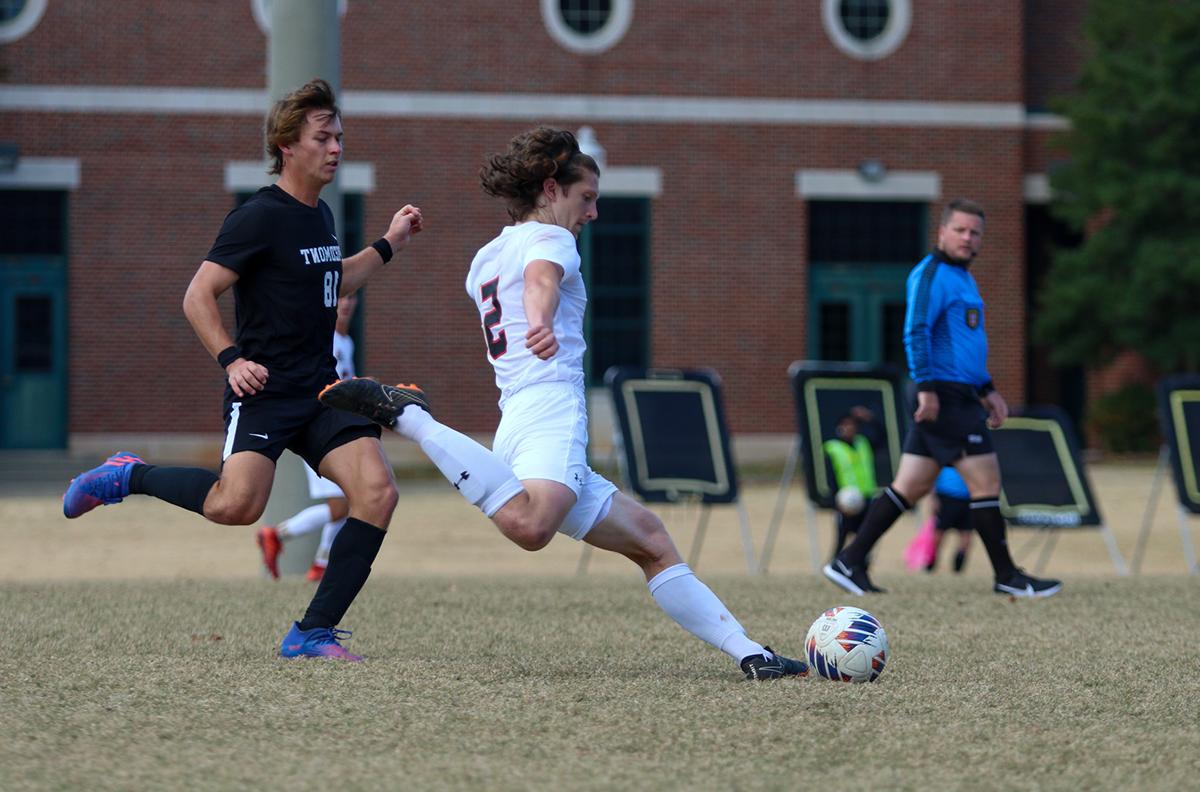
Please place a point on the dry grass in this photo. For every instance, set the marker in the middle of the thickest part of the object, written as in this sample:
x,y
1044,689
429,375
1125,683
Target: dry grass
x,y
139,653
503,683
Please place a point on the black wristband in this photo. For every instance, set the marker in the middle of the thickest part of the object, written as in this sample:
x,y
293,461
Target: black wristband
x,y
228,355
986,388
383,248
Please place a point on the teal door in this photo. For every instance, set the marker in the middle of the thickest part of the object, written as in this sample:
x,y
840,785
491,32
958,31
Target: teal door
x,y
857,312
33,352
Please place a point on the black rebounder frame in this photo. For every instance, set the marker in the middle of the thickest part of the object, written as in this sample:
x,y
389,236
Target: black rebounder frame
x,y
673,442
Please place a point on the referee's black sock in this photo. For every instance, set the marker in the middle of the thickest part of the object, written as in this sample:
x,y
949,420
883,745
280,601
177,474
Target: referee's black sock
x,y
989,524
885,508
185,487
350,560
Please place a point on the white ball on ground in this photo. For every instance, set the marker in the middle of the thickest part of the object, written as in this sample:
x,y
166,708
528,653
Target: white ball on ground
x,y
846,644
850,501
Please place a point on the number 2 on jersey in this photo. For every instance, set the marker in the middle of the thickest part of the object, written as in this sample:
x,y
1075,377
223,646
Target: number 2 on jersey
x,y
331,288
497,343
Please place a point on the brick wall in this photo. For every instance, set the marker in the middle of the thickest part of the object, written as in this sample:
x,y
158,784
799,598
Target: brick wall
x,y
729,281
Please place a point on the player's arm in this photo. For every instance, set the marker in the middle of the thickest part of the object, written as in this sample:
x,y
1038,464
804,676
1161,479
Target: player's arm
x,y
357,268
540,300
200,307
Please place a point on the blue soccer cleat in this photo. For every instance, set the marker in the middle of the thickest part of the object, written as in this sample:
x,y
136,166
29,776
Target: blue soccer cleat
x,y
106,484
317,642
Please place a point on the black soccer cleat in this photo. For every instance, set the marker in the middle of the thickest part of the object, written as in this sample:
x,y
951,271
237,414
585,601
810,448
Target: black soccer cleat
x,y
372,399
853,579
760,667
1018,584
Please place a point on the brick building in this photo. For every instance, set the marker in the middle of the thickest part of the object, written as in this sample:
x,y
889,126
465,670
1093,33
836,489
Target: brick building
x,y
772,171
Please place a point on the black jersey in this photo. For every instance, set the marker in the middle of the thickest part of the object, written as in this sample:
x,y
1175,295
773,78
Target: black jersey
x,y
289,267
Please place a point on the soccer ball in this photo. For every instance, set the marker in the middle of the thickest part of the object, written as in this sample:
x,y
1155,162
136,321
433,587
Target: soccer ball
x,y
849,500
847,644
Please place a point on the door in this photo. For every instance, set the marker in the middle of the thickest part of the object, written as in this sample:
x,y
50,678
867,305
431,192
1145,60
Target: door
x,y
857,313
33,399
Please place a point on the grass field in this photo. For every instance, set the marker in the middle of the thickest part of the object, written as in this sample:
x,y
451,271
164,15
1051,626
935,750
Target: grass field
x,y
139,646
583,684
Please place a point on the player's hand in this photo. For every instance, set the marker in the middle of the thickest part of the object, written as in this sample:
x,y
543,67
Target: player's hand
x,y
928,407
405,223
541,341
997,409
246,377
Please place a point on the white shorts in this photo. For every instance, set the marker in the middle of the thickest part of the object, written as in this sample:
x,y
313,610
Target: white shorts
x,y
543,435
321,488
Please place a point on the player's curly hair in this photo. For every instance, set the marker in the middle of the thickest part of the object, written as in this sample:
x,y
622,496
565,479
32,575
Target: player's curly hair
x,y
517,175
286,119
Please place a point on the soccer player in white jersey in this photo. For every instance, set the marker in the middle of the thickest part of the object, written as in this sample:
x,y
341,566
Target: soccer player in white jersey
x,y
330,515
531,299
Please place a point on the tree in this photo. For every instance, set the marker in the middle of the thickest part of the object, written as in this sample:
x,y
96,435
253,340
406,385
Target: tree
x,y
1133,185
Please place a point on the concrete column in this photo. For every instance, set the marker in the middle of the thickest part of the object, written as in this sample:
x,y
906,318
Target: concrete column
x,y
304,43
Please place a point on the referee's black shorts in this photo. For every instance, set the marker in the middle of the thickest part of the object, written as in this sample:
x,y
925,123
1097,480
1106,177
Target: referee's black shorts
x,y
960,429
269,423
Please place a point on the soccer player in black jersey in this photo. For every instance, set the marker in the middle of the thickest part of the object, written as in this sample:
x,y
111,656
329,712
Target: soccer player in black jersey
x,y
280,255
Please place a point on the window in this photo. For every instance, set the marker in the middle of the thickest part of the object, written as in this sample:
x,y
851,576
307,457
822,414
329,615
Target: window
x,y
867,29
616,263
587,27
18,17
33,222
866,232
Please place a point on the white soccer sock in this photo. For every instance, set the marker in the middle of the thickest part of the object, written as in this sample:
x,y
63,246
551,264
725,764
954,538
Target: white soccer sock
x,y
304,522
696,609
328,533
479,475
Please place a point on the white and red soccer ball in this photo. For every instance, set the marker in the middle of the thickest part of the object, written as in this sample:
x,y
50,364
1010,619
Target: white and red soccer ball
x,y
847,644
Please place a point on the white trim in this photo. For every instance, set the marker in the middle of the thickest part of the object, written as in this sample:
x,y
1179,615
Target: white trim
x,y
43,173
1046,121
245,175
631,182
25,21
262,14
1037,188
513,107
621,15
893,35
814,185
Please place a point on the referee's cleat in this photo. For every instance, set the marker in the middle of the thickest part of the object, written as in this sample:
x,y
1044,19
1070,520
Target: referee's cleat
x,y
317,642
852,577
102,485
760,667
372,399
1018,584
271,547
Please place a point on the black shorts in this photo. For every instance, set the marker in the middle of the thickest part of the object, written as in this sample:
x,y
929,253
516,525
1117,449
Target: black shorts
x,y
960,429
269,424
953,513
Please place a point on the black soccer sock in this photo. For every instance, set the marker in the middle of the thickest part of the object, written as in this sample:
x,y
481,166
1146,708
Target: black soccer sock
x,y
989,524
885,509
184,487
350,560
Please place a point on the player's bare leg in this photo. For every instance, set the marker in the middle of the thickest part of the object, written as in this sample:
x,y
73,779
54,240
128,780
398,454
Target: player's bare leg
x,y
638,534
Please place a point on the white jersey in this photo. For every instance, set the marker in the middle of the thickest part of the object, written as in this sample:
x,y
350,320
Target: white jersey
x,y
343,353
496,283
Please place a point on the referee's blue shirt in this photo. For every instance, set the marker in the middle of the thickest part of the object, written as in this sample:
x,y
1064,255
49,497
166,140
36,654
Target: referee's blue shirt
x,y
944,332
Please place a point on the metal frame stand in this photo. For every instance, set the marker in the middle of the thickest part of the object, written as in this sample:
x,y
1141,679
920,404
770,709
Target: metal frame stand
x,y
1185,533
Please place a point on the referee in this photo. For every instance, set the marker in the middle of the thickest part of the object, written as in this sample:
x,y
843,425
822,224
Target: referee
x,y
946,344
280,255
